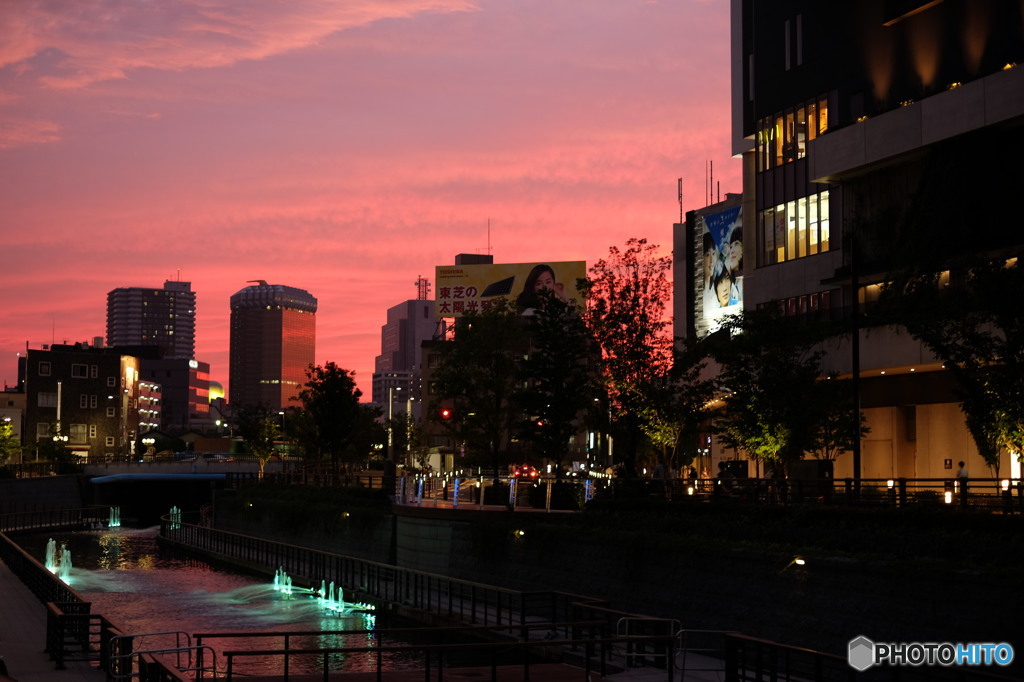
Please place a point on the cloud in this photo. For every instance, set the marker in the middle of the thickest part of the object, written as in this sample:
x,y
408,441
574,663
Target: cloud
x,y
344,147
107,39
16,133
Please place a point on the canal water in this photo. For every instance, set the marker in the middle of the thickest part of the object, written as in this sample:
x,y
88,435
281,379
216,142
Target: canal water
x,y
141,587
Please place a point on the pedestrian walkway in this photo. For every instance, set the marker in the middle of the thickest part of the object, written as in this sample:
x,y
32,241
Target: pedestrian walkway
x,y
23,639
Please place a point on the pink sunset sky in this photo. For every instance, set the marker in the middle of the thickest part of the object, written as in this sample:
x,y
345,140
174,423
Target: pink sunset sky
x,y
342,147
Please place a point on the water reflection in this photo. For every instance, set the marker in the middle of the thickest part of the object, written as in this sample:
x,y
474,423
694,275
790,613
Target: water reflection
x,y
144,588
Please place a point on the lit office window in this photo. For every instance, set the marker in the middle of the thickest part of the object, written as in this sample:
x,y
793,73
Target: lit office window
x,y
795,229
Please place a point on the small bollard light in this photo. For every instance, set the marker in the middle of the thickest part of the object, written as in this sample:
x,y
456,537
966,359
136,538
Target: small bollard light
x,y
689,490
948,497
1005,484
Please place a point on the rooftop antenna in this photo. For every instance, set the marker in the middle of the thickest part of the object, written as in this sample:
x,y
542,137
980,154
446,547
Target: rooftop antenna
x,y
422,288
680,201
488,236
711,182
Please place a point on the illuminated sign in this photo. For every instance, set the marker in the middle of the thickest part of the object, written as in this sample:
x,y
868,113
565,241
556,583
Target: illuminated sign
x,y
472,288
720,266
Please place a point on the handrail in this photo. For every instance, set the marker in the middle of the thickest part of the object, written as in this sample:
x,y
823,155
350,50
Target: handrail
x,y
603,645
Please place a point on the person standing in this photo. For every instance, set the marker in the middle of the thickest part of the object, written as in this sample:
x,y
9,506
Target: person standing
x,y
961,478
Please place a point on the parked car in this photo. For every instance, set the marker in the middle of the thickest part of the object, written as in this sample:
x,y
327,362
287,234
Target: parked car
x,y
525,472
217,457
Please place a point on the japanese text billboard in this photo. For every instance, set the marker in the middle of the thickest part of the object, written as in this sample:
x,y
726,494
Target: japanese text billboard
x,y
464,288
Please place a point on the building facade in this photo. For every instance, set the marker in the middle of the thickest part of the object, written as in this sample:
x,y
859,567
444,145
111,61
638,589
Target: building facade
x,y
873,135
273,343
84,397
166,318
184,393
398,368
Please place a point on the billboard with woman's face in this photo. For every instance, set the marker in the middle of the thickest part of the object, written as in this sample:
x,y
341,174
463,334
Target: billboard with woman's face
x,y
721,268
466,288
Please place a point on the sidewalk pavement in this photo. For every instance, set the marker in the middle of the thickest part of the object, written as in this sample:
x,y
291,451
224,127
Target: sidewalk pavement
x,y
23,639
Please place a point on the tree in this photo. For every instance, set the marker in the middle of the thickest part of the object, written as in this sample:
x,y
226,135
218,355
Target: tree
x,y
10,447
676,405
626,297
332,425
972,318
773,403
54,448
476,379
559,385
260,428
834,433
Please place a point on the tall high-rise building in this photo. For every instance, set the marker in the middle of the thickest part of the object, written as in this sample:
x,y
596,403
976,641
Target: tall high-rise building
x,y
396,376
144,316
273,342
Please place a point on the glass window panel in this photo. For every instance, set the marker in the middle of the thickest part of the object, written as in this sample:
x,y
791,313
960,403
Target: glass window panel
x,y
780,233
777,133
812,222
801,227
767,237
789,144
78,433
823,221
812,120
762,145
801,132
822,115
790,230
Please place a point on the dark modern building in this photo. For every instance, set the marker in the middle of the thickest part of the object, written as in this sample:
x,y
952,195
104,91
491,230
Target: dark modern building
x,y
398,369
273,342
873,134
166,318
84,396
184,393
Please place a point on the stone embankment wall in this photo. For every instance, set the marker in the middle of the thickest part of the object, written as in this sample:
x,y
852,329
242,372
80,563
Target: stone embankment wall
x,y
43,493
890,580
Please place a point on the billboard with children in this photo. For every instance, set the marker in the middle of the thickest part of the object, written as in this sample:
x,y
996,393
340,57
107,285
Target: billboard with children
x,y
720,268
464,288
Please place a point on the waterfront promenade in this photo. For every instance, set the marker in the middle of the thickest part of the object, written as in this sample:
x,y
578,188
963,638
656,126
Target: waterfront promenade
x,y
23,638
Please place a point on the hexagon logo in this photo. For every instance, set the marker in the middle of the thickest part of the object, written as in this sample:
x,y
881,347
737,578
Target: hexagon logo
x,y
861,653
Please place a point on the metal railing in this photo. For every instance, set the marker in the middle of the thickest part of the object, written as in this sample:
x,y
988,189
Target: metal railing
x,y
431,658
73,633
40,519
458,601
368,580
1002,495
